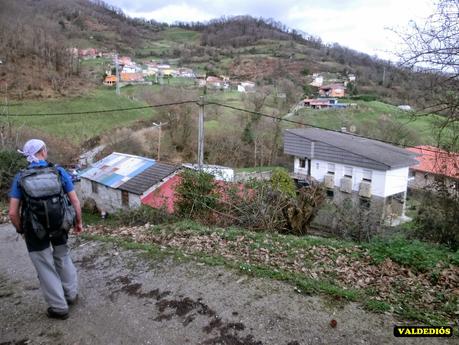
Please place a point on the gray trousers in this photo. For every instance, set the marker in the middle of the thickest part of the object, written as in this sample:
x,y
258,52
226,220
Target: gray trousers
x,y
57,275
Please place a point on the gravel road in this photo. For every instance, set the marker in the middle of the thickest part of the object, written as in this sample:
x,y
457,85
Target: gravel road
x,y
127,298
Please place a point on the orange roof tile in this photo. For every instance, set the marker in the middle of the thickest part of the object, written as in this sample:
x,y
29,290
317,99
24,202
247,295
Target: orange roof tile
x,y
436,161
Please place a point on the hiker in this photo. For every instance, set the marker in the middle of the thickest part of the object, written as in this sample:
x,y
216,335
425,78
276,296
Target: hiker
x,y
43,207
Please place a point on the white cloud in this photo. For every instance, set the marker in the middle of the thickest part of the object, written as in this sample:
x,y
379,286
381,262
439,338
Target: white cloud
x,y
172,13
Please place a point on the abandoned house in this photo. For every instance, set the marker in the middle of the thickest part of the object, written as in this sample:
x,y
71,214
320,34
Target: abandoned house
x,y
367,172
122,181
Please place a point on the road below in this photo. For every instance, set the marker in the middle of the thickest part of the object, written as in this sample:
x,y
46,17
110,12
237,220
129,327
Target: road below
x,y
128,298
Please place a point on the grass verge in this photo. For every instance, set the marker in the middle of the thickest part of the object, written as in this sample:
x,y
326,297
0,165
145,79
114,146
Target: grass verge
x,y
243,251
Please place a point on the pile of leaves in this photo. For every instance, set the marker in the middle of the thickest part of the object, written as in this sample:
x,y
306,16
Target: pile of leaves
x,y
351,266
4,215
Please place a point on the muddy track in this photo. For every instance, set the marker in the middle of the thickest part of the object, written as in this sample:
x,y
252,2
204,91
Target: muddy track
x,y
127,298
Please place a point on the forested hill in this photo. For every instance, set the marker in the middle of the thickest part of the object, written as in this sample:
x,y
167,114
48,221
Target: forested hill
x,y
35,36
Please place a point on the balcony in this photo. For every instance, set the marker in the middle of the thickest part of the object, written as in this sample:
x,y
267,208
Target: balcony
x,y
346,185
365,189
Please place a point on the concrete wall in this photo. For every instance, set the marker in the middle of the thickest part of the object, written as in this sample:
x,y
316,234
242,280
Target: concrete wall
x,y
106,198
396,181
426,181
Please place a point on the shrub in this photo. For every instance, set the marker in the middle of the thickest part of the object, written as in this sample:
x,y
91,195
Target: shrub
x,y
437,221
282,182
140,216
197,194
10,164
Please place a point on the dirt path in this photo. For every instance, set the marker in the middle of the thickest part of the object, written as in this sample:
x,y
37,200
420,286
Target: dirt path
x,y
128,299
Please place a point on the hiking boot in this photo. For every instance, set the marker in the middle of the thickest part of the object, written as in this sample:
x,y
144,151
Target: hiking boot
x,y
72,301
55,315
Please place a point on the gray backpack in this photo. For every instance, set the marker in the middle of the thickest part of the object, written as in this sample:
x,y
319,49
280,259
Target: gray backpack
x,y
46,209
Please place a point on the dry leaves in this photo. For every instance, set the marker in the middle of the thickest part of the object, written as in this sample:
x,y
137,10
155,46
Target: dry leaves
x,y
350,267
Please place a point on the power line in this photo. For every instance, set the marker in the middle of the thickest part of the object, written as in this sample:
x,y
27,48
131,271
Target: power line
x,y
103,111
311,125
210,103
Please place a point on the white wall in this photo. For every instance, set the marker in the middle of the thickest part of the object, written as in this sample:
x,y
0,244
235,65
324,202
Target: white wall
x,y
396,181
383,183
106,198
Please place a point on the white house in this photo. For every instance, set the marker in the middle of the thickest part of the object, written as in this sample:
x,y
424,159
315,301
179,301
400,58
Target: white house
x,y
220,173
122,181
246,86
318,80
131,69
368,172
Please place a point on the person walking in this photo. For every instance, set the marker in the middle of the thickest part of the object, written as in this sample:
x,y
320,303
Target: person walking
x,y
43,206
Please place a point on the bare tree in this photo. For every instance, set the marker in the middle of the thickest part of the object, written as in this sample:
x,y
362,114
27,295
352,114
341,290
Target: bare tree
x,y
432,48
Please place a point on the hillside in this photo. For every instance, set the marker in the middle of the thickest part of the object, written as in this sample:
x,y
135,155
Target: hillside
x,y
38,62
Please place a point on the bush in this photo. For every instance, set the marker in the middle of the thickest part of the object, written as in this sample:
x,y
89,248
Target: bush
x,y
282,182
273,205
197,195
10,164
365,98
141,216
437,221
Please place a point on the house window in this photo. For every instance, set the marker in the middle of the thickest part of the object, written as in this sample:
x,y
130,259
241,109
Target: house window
x,y
331,168
365,203
330,193
317,166
302,163
348,172
124,198
367,175
94,187
411,174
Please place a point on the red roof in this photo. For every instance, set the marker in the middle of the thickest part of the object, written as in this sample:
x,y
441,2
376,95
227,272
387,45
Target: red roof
x,y
436,161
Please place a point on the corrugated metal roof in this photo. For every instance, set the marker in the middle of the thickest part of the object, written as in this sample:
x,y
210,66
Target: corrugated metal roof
x,y
134,174
148,178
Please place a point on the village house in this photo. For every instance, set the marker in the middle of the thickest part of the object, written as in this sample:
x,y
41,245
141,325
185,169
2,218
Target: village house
x,y
132,68
90,53
214,82
110,80
318,80
437,168
367,172
246,86
324,103
122,181
332,90
124,60
131,77
186,73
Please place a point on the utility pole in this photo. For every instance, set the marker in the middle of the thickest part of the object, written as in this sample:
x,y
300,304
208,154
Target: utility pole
x,y
201,133
159,125
117,76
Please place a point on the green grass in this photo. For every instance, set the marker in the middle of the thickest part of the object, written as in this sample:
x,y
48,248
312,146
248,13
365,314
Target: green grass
x,y
180,35
78,128
256,169
418,255
366,117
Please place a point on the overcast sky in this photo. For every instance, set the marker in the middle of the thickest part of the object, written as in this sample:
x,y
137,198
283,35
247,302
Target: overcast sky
x,y
357,24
